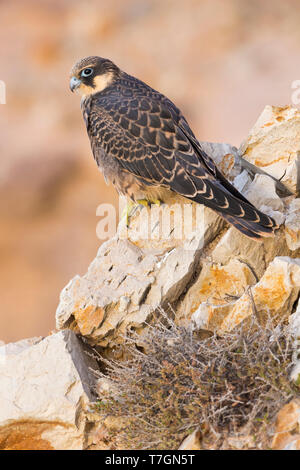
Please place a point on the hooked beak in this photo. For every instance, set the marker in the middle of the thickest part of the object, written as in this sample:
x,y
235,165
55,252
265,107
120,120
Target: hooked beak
x,y
74,83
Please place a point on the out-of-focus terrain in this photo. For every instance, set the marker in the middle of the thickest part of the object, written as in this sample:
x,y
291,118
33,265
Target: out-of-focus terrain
x,y
220,61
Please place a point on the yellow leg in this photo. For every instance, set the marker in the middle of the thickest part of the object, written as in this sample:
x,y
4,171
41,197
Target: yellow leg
x,y
131,207
157,202
149,202
143,202
127,211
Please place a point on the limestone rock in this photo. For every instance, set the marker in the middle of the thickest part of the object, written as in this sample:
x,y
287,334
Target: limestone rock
x,y
241,442
129,279
175,224
242,181
213,295
294,325
278,216
45,388
292,225
226,158
275,293
215,287
262,191
180,254
287,435
192,442
294,322
273,144
257,255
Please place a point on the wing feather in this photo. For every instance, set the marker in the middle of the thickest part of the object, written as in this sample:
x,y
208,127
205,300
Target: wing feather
x,y
152,140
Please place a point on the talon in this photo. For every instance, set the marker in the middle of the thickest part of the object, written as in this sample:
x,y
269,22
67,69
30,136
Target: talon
x,y
127,212
143,202
156,202
131,207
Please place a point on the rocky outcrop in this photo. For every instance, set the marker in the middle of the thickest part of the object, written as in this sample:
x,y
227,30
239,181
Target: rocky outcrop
x,y
186,257
46,386
274,294
274,144
179,257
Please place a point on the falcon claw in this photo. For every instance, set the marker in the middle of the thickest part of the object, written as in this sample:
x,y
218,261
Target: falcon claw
x,y
156,202
143,202
131,207
149,203
128,211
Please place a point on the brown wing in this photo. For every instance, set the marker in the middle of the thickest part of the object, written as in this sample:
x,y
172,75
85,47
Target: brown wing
x,y
149,137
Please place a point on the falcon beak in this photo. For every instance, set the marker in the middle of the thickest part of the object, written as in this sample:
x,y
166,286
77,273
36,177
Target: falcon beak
x,y
74,83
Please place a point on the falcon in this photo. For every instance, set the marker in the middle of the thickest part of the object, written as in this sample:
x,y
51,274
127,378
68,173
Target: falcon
x,y
143,144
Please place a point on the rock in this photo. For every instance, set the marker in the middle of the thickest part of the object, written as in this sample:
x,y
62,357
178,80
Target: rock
x,y
257,255
292,175
262,192
241,442
114,287
215,287
279,217
273,144
292,225
177,223
242,181
129,279
287,433
209,316
294,326
222,279
274,294
293,444
192,442
45,389
226,158
179,255
294,322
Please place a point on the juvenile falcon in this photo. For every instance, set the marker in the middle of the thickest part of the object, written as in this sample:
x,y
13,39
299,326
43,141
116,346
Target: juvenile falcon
x,y
143,144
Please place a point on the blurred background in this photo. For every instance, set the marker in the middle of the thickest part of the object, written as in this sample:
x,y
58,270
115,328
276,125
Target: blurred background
x,y
221,61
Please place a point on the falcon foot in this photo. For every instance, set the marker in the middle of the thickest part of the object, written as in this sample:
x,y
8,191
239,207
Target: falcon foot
x,y
132,207
149,203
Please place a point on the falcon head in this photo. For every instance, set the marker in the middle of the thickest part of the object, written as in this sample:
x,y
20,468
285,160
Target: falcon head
x,y
92,75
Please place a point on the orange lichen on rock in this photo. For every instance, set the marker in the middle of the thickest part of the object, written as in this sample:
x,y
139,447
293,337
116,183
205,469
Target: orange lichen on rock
x,y
220,282
262,163
227,163
274,294
215,290
25,435
88,318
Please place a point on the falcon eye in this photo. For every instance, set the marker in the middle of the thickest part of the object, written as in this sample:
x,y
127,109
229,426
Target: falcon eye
x,y
86,72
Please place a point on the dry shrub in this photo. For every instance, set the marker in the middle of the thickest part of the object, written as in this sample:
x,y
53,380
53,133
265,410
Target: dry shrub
x,y
176,383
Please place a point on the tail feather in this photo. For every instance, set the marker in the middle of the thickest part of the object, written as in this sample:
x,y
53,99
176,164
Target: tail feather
x,y
238,211
250,229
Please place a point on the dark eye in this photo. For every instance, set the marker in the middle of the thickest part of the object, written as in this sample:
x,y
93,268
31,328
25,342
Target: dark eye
x,y
86,72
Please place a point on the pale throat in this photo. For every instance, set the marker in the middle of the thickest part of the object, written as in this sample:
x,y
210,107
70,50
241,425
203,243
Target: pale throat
x,y
100,82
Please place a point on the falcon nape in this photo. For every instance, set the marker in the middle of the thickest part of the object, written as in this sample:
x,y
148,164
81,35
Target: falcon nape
x,y
143,144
